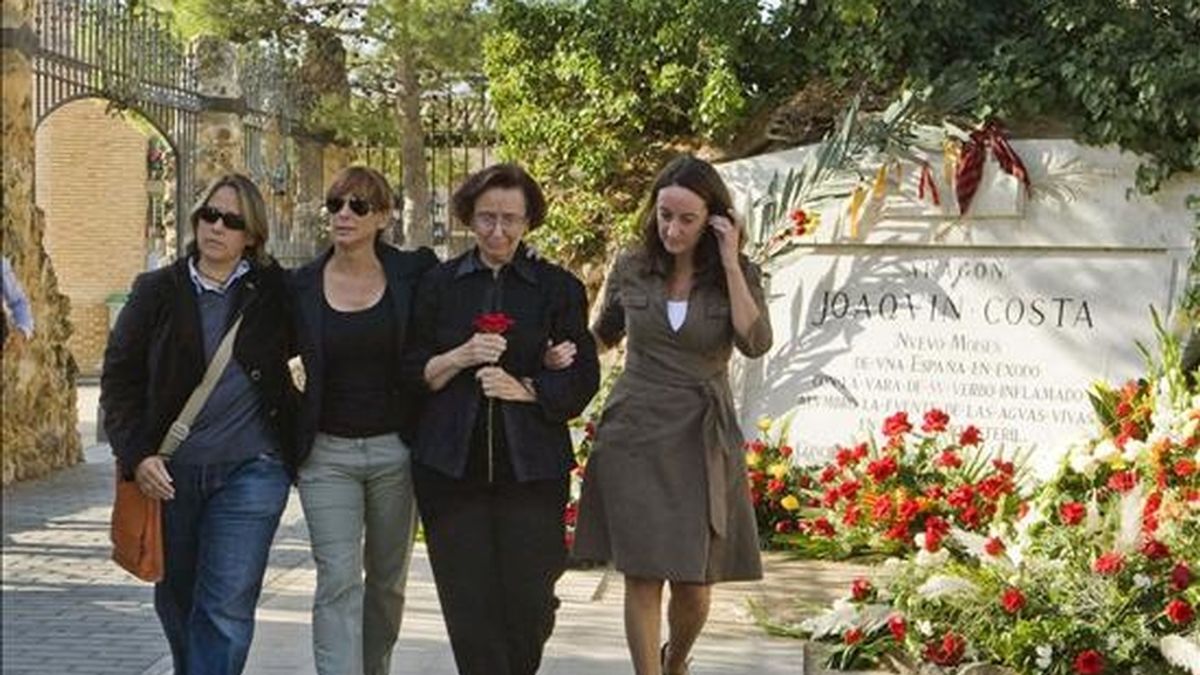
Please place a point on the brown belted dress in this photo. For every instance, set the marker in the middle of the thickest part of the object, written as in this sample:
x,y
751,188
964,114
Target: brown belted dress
x,y
665,494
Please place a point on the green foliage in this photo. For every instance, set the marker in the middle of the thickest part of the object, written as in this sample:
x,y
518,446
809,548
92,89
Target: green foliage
x,y
594,94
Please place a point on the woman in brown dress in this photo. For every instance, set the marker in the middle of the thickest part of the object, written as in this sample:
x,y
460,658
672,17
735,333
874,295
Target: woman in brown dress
x,y
665,497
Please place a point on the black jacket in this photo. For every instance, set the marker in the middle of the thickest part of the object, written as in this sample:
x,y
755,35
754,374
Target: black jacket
x,y
155,358
403,270
548,303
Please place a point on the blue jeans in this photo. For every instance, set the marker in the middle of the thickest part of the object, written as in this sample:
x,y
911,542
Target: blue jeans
x,y
217,532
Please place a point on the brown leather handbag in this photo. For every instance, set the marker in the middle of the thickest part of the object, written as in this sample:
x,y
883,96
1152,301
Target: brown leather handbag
x,y
136,532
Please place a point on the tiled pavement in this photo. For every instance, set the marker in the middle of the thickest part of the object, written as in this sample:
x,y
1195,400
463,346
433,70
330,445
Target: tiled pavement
x,y
67,609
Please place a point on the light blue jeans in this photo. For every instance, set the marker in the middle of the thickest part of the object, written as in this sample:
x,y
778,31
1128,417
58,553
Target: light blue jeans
x,y
358,500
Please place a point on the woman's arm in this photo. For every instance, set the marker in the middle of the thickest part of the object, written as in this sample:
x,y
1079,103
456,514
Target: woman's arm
x,y
565,393
480,349
123,380
609,326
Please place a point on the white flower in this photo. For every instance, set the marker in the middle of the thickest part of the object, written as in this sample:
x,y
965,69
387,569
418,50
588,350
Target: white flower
x,y
1182,652
1083,462
926,559
1105,450
919,540
940,585
1133,449
924,627
1189,428
1142,581
1045,656
1113,642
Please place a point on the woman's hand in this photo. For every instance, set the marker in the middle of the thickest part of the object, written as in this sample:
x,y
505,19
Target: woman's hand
x,y
729,238
559,356
153,479
480,349
497,383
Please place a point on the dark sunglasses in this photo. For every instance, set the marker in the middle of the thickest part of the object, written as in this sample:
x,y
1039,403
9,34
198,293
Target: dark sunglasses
x,y
360,207
211,215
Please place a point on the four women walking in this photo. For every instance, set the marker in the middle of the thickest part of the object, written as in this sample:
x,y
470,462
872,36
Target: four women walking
x,y
453,382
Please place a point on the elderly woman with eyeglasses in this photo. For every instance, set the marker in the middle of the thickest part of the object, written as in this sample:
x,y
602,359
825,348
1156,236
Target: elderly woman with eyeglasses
x,y
355,428
226,484
493,451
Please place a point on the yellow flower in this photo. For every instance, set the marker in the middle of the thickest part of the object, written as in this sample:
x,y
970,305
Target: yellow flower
x,y
790,503
753,459
764,424
778,471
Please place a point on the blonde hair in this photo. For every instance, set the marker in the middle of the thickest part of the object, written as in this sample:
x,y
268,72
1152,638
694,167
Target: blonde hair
x,y
254,212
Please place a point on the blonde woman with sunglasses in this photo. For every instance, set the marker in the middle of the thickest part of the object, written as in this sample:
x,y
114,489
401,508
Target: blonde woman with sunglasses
x,y
226,484
355,426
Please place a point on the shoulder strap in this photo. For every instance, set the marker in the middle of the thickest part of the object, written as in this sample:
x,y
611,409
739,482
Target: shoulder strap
x,y
182,426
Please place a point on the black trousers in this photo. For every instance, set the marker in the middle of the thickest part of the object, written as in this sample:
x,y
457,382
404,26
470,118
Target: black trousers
x,y
496,550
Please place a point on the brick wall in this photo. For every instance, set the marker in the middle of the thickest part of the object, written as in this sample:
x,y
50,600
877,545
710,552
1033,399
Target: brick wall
x,y
91,182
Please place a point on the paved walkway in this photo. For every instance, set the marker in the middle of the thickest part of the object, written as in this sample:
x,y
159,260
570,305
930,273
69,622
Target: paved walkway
x,y
67,609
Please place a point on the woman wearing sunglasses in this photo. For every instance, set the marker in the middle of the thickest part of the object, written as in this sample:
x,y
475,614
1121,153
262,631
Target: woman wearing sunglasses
x,y
355,423
226,484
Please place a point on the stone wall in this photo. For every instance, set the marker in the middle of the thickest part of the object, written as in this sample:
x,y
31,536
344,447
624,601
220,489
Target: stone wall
x,y
38,426
91,184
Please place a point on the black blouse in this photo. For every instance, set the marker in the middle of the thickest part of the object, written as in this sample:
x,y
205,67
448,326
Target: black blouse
x,y
547,303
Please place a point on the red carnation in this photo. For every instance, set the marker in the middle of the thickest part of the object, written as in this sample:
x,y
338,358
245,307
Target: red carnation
x,y
909,509
897,626
822,527
948,652
994,546
935,420
1071,513
935,529
799,222
1185,467
785,451
852,515
949,459
1180,612
1006,468
1155,549
1123,481
494,322
897,424
775,485
783,526
829,474
969,436
882,469
1181,576
1089,662
861,589
853,636
1109,563
882,508
1012,600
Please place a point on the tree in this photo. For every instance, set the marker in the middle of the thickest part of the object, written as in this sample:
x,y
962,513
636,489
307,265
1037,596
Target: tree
x,y
396,51
593,93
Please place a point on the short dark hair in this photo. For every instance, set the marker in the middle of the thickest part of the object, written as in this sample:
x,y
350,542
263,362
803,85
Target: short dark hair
x,y
505,175
697,175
